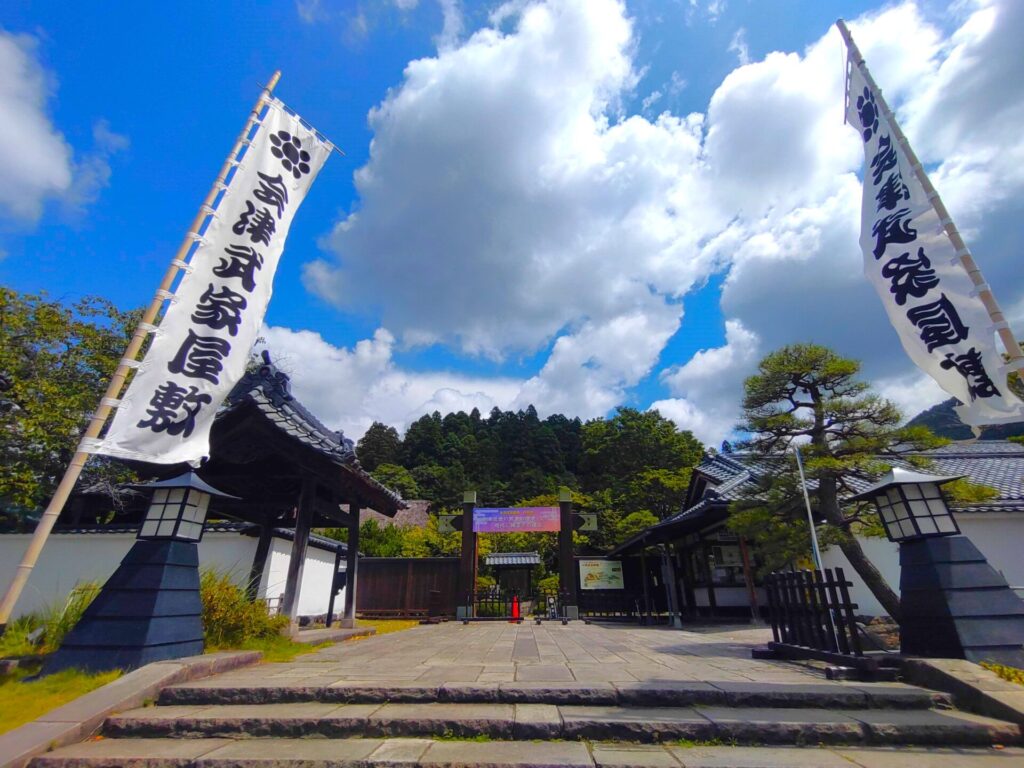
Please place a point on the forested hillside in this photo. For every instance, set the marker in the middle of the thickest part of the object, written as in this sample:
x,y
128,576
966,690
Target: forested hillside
x,y
632,469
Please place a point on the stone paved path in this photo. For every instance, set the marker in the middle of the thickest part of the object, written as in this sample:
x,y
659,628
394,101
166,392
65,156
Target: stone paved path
x,y
498,652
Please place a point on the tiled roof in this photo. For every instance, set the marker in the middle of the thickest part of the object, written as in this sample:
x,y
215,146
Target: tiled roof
x,y
270,391
415,515
512,558
998,464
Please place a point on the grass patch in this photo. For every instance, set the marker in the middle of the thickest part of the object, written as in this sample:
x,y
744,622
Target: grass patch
x,y
1010,674
386,626
21,702
274,649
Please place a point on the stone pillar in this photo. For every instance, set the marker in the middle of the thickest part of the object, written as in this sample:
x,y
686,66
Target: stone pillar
x,y
351,567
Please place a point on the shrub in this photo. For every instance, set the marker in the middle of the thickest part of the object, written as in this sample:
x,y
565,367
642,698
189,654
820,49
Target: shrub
x,y
58,620
230,618
16,638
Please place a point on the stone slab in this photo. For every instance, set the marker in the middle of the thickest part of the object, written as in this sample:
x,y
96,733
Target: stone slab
x,y
549,754
932,727
559,693
476,692
671,693
331,634
493,720
781,725
537,721
633,756
643,724
901,757
973,687
272,752
131,753
400,752
759,757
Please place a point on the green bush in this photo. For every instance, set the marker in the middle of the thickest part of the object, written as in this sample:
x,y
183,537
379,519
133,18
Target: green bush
x,y
230,618
55,621
548,584
58,620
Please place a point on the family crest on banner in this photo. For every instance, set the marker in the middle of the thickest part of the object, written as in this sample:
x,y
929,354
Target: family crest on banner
x,y
918,264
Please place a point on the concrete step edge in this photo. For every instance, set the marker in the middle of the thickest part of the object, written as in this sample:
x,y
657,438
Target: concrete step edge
x,y
524,722
635,695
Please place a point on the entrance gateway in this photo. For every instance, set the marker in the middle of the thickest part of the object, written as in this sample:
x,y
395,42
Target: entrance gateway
x,y
476,520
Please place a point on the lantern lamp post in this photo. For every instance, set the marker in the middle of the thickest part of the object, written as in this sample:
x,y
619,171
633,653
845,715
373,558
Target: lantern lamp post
x,y
953,603
150,608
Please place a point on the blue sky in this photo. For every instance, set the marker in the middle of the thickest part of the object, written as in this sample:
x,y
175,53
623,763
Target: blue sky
x,y
146,103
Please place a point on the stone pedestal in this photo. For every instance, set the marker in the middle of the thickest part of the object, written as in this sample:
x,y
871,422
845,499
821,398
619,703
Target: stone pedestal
x,y
149,610
956,605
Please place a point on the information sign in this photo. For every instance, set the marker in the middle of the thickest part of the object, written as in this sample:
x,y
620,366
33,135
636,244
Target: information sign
x,y
516,519
598,573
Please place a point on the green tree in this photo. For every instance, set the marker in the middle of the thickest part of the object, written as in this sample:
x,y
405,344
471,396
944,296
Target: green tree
x,y
617,450
806,392
55,361
397,478
380,445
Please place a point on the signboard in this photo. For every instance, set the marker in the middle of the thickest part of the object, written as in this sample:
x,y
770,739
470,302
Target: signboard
x,y
449,523
585,521
516,519
601,574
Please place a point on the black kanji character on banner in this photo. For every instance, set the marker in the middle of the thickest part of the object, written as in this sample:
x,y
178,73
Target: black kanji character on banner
x,y
220,310
894,228
272,191
969,366
200,357
910,276
257,222
892,192
939,323
173,409
242,262
884,159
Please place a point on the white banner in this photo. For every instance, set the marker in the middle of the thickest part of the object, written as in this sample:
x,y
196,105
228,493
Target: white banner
x,y
203,344
930,299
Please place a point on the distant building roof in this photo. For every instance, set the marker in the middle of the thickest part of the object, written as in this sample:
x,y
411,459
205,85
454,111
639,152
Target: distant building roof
x,y
525,559
998,464
415,515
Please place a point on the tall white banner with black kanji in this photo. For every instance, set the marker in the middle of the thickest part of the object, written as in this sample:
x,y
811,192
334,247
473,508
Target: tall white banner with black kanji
x,y
201,348
929,297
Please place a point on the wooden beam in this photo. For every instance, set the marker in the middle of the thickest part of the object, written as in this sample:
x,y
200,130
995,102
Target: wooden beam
x,y
259,562
293,584
351,567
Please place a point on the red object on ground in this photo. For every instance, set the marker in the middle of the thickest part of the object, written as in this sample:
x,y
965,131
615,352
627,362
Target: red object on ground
x,y
515,609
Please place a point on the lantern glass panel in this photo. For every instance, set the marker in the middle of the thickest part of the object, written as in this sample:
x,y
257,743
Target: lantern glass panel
x,y
894,495
919,509
927,525
176,495
148,528
946,524
907,528
166,528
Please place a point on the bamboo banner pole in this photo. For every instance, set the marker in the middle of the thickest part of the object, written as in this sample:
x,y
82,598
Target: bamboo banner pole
x,y
810,515
109,400
1010,343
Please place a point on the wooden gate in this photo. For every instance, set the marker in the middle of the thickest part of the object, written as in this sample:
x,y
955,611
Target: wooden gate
x,y
407,587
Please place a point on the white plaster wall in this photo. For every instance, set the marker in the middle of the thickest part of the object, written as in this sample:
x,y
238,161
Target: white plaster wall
x,y
71,558
66,560
997,536
317,577
727,597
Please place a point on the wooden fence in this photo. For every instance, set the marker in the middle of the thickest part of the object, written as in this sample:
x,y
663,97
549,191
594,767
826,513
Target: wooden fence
x,y
812,609
407,587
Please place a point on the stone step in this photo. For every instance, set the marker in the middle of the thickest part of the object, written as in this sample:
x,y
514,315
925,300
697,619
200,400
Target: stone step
x,y
222,690
742,725
378,753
